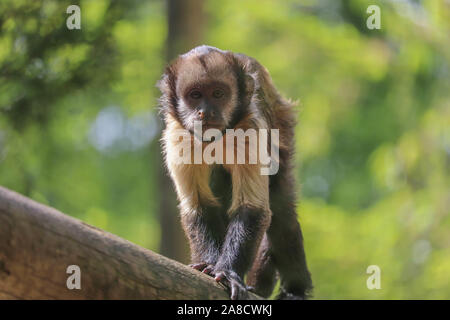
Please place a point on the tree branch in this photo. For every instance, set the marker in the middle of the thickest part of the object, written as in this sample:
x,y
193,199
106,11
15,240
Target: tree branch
x,y
38,243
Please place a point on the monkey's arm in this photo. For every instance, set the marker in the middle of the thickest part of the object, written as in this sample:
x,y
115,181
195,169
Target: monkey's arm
x,y
203,225
205,229
250,218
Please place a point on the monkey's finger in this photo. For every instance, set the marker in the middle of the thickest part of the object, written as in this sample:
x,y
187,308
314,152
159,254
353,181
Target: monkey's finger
x,y
238,292
208,270
234,291
220,277
198,266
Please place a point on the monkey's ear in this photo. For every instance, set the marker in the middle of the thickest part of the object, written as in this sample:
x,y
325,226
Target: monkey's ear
x,y
167,86
245,77
167,81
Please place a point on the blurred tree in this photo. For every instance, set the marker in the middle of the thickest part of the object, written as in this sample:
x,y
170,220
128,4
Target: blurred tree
x,y
54,83
43,62
185,25
373,138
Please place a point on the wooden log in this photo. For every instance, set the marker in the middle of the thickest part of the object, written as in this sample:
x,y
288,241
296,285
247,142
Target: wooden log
x,y
38,243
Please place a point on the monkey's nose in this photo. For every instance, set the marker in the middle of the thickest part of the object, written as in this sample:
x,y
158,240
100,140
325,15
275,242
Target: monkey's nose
x,y
204,116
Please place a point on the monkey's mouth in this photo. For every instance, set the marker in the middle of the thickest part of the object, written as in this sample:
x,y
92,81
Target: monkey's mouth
x,y
209,136
206,125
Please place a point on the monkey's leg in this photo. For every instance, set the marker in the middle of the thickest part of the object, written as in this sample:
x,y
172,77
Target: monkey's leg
x,y
262,276
286,238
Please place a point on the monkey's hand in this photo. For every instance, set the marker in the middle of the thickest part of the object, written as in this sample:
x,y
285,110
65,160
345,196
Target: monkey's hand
x,y
203,267
239,290
198,266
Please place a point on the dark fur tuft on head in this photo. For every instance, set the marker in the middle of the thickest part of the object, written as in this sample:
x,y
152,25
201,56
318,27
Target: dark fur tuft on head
x,y
238,63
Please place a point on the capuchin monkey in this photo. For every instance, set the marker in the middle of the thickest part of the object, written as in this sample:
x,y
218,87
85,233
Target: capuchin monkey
x,y
239,222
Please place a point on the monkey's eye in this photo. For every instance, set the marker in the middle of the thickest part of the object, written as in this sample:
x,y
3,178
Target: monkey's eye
x,y
218,93
195,94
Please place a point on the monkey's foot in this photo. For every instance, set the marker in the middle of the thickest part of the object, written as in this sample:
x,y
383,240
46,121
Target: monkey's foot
x,y
251,289
230,278
283,295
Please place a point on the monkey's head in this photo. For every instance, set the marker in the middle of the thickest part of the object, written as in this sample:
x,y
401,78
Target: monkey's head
x,y
208,85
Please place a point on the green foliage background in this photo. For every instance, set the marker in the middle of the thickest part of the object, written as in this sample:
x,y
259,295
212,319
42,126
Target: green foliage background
x,y
77,121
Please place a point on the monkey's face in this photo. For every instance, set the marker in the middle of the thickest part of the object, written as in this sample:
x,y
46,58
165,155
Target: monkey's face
x,y
207,91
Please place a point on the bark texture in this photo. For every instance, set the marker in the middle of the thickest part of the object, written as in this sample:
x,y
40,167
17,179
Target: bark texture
x,y
38,243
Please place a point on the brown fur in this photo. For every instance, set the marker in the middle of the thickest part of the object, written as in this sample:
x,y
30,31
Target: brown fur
x,y
224,234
